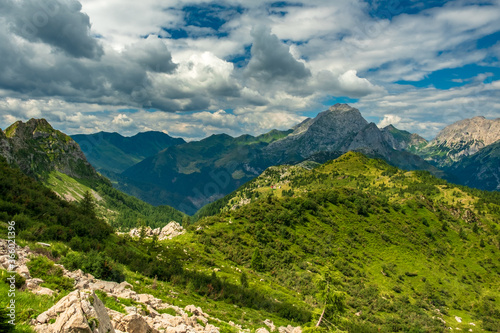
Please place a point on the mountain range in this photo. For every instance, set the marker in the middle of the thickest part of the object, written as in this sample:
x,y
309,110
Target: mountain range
x,y
162,170
320,236
116,153
188,175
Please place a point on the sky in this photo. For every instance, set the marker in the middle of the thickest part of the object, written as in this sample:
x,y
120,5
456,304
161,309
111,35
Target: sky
x,y
196,68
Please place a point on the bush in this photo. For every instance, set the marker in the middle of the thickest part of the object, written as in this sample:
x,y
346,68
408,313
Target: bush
x,y
43,268
4,321
20,281
95,263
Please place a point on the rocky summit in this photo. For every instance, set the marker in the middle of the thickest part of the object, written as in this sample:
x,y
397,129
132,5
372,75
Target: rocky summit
x,y
37,149
461,139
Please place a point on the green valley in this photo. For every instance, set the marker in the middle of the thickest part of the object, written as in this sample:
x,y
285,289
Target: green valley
x,y
371,247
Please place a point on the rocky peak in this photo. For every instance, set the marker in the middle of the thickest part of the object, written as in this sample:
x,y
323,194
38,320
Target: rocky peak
x,y
464,138
402,140
37,148
328,131
477,129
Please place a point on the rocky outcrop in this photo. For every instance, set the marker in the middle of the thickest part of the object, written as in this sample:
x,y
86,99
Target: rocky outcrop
x,y
171,230
402,140
461,139
83,311
36,148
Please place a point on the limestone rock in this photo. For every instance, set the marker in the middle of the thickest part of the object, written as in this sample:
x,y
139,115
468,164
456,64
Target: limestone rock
x,y
134,323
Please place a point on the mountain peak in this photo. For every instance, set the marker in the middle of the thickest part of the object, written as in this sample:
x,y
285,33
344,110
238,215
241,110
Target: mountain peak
x,y
342,107
38,149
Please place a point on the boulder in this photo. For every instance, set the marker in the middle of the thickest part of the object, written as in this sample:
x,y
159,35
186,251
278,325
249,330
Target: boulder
x,y
102,315
71,321
270,324
134,323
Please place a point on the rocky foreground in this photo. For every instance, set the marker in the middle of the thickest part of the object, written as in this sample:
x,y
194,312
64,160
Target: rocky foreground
x,y
82,311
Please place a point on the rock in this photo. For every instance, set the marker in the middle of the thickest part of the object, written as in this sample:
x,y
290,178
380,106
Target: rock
x,y
23,271
72,320
71,313
102,315
458,319
270,324
43,291
197,311
261,330
211,329
134,323
171,230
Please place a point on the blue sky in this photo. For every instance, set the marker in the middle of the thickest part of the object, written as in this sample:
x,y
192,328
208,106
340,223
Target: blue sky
x,y
195,68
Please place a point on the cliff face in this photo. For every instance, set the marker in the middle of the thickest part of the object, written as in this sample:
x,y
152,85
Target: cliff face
x,y
461,139
37,149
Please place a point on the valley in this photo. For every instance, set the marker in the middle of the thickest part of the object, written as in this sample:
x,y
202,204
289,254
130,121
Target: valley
x,y
352,232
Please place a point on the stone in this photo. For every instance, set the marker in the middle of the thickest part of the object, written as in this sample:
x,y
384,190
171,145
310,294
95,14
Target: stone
x,y
270,324
261,330
23,271
72,320
134,323
102,315
43,291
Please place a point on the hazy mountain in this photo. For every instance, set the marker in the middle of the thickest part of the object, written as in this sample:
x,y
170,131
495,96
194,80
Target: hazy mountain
x,y
193,174
480,170
461,139
114,152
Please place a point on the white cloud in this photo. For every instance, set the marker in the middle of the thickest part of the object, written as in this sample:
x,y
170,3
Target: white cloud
x,y
389,119
317,50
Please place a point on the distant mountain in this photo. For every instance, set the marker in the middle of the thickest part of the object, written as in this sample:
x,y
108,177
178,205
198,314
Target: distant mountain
x,y
38,149
340,129
461,139
403,140
480,170
116,153
191,175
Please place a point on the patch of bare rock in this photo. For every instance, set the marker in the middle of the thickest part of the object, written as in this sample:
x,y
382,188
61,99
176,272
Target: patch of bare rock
x,y
82,311
171,230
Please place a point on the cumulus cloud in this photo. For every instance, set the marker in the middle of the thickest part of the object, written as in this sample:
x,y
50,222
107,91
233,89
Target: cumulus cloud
x,y
82,63
389,119
59,23
271,59
427,111
152,54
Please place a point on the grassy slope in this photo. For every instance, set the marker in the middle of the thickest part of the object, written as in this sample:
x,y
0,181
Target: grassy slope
x,y
406,237
120,210
400,244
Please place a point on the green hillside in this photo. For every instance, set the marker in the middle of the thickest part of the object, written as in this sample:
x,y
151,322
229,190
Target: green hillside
x,y
404,247
371,247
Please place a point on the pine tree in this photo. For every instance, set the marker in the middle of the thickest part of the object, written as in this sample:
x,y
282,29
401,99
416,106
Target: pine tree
x,y
257,260
244,280
87,204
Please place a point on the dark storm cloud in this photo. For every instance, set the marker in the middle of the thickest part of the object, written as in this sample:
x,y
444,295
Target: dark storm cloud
x,y
59,23
271,59
152,54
